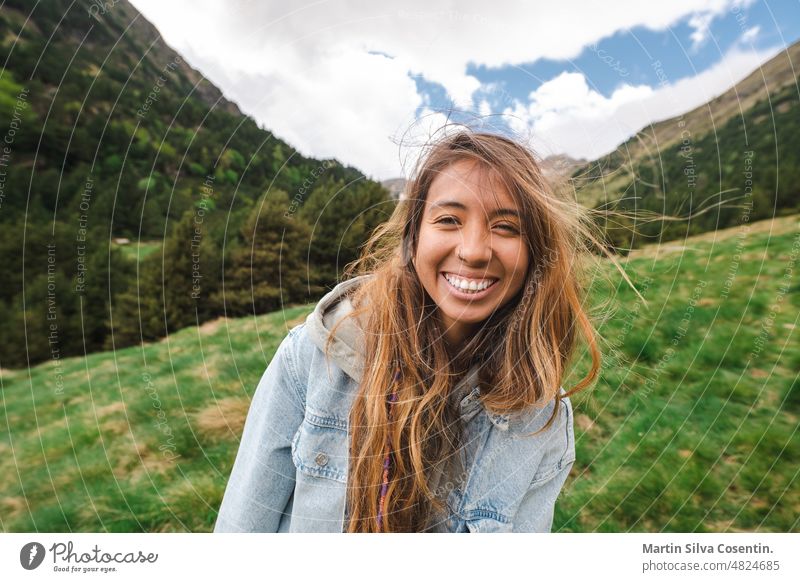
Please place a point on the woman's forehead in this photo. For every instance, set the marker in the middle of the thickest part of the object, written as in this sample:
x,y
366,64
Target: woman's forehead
x,y
468,182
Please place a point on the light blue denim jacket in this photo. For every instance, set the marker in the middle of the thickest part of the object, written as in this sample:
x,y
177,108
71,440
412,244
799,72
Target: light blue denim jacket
x,y
290,473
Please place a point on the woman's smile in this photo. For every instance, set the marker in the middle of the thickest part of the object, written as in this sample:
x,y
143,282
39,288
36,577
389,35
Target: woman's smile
x,y
469,289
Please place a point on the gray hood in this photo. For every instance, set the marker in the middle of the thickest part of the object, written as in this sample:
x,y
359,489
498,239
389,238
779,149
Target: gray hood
x,y
347,347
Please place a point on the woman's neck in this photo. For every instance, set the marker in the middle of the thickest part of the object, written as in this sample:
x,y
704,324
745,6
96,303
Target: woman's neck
x,y
459,365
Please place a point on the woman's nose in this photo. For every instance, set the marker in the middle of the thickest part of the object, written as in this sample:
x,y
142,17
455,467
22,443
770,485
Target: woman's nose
x,y
475,247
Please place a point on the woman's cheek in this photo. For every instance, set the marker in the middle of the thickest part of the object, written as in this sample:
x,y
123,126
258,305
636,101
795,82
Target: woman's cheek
x,y
433,244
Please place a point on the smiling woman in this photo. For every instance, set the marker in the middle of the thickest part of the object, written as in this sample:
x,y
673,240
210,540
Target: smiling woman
x,y
424,393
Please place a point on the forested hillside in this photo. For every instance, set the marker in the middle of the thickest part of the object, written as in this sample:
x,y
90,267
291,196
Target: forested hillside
x,y
108,135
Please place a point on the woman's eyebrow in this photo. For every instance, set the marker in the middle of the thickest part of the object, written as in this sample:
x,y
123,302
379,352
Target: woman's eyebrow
x,y
504,212
460,206
448,204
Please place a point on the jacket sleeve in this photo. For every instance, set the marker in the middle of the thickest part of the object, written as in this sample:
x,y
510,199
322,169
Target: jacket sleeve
x,y
535,513
263,476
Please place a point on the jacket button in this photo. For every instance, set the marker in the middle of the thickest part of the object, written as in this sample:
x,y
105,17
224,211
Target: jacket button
x,y
321,459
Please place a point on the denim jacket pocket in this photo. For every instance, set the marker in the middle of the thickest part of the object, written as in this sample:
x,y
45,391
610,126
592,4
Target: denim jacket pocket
x,y
319,448
319,452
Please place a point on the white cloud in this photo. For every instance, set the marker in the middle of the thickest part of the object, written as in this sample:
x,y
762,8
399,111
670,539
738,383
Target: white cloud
x,y
701,24
565,116
750,34
309,70
345,107
700,21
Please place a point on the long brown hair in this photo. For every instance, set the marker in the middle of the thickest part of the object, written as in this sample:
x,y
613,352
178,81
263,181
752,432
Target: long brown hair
x,y
522,349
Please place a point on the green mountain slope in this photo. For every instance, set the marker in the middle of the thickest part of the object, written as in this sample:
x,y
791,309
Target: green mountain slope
x,y
734,159
107,134
108,100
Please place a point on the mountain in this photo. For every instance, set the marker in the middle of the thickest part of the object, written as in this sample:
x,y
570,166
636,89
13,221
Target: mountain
x,y
558,168
395,186
108,134
123,14
105,99
733,159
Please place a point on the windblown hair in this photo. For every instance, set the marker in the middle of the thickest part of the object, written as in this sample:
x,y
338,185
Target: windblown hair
x,y
522,350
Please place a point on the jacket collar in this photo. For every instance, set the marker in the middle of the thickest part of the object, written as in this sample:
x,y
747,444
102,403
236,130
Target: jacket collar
x,y
471,404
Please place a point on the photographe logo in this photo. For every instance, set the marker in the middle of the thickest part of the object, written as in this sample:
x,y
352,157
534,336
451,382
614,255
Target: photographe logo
x,y
69,559
31,555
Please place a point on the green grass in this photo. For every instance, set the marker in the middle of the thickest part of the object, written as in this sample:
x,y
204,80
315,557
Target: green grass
x,y
99,457
693,423
699,438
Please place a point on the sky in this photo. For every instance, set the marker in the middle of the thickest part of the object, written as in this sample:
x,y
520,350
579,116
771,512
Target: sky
x,y
368,83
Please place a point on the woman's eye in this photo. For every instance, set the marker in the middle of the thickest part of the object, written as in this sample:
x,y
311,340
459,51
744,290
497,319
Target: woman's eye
x,y
508,227
447,219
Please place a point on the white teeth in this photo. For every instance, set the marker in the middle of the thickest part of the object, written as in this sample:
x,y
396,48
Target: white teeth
x,y
468,285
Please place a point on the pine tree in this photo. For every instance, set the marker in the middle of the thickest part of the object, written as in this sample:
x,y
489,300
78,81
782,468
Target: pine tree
x,y
267,270
175,287
342,218
138,314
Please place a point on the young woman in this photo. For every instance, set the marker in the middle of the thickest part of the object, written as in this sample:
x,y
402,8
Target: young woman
x,y
424,393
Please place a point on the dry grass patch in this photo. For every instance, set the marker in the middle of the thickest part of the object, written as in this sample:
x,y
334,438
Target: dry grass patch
x,y
585,423
224,418
296,321
135,461
109,409
13,507
7,374
212,326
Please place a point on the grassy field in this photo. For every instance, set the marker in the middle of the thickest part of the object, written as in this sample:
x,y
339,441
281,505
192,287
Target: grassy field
x,y
692,426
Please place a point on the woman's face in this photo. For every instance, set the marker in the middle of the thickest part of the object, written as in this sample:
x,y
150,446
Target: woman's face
x,y
470,235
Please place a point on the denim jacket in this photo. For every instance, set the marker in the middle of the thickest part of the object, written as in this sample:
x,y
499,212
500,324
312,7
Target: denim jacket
x,y
290,473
